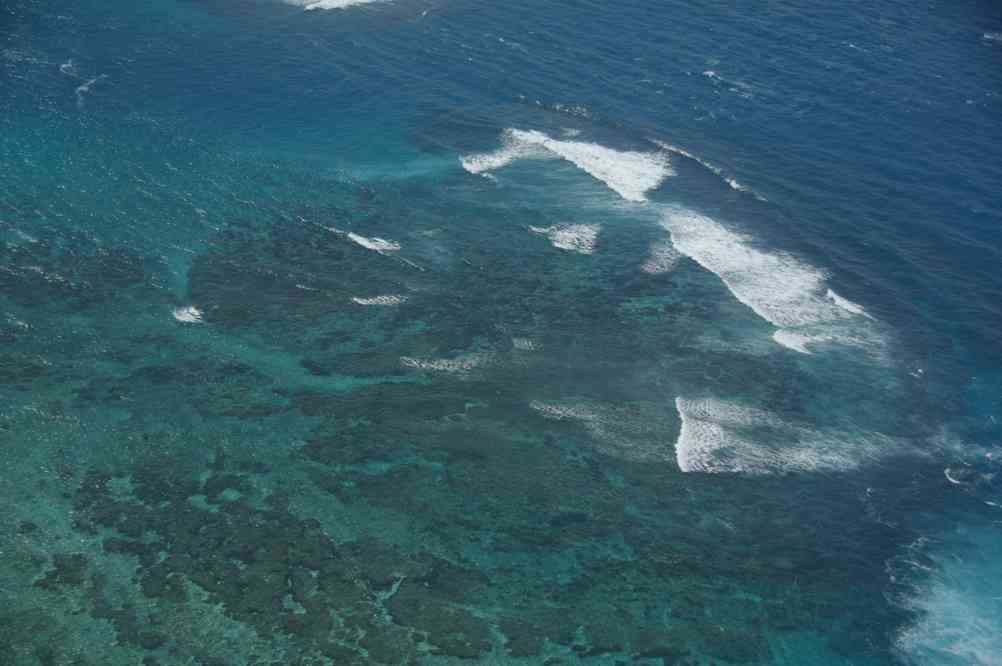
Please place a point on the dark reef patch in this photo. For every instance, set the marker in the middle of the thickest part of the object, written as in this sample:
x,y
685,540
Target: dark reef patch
x,y
67,569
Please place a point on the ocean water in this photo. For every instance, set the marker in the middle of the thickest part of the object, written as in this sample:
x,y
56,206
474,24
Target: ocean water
x,y
454,331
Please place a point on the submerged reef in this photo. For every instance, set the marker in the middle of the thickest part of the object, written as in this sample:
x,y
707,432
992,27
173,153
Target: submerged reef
x,y
372,447
585,556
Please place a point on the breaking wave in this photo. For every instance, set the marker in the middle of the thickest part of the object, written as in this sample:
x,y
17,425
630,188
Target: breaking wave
x,y
779,288
959,602
717,436
630,174
580,238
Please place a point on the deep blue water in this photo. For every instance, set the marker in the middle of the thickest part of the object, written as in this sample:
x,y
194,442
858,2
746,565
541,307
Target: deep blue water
x,y
452,331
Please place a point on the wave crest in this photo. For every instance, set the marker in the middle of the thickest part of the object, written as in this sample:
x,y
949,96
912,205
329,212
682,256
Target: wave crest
x,y
630,174
789,294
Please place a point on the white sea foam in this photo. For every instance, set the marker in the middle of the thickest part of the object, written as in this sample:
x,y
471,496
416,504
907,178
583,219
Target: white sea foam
x,y
992,36
513,147
580,238
525,344
327,4
779,288
375,244
714,169
630,174
736,86
801,342
784,291
85,87
722,437
793,340
846,304
460,364
959,604
573,110
661,258
188,315
387,299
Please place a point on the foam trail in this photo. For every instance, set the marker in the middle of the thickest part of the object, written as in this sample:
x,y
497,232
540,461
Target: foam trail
x,y
779,288
722,437
630,174
717,171
578,238
633,431
310,5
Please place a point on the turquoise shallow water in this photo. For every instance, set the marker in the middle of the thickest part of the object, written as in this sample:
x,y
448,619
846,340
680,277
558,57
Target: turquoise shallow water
x,y
463,332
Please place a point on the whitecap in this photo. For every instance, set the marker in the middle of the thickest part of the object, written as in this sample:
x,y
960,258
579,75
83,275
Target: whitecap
x,y
573,110
580,238
387,299
459,364
375,243
513,147
630,174
188,315
310,5
779,288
